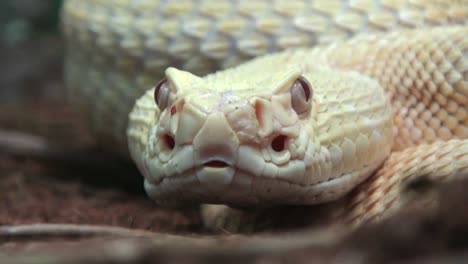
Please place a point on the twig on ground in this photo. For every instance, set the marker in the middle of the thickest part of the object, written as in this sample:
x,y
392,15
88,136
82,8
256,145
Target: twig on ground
x,y
265,242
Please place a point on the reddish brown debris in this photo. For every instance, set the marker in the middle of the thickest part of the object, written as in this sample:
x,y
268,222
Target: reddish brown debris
x,y
32,193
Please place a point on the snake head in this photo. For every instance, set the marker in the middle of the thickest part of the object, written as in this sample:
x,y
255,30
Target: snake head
x,y
213,140
239,138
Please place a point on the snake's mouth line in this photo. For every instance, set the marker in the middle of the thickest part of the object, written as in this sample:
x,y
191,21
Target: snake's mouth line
x,y
248,184
252,188
221,164
216,164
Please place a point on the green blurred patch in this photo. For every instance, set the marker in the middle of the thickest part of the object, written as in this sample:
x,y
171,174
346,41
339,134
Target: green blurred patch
x,y
23,20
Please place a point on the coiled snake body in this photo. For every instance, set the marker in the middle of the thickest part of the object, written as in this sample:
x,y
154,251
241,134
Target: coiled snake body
x,y
303,126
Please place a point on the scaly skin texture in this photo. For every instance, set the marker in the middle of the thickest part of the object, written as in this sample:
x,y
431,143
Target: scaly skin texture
x,y
372,96
127,44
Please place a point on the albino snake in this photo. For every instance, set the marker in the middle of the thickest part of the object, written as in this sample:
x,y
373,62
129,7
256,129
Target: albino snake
x,y
303,126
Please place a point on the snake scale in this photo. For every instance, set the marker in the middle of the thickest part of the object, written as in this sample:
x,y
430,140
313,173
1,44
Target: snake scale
x,y
368,95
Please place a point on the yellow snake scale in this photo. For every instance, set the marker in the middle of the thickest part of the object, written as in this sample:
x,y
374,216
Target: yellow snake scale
x,y
369,95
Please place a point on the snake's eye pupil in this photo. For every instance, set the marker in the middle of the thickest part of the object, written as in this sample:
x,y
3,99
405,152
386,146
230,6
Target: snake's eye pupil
x,y
301,95
161,94
305,87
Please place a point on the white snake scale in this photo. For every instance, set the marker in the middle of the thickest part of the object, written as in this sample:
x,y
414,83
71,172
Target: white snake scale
x,y
370,112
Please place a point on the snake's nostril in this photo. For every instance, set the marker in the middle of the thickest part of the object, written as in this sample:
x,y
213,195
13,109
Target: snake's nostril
x,y
278,144
168,141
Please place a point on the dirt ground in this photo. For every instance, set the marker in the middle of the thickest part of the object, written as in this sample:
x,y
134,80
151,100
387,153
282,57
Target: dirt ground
x,y
51,173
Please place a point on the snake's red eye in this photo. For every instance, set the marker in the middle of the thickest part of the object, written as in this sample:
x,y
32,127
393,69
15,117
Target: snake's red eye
x,y
162,94
301,95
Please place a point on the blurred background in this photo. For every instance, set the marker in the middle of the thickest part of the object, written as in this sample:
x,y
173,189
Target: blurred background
x,y
32,96
49,170
31,49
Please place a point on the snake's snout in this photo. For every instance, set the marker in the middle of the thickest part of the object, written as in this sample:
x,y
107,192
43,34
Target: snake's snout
x,y
215,151
215,143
